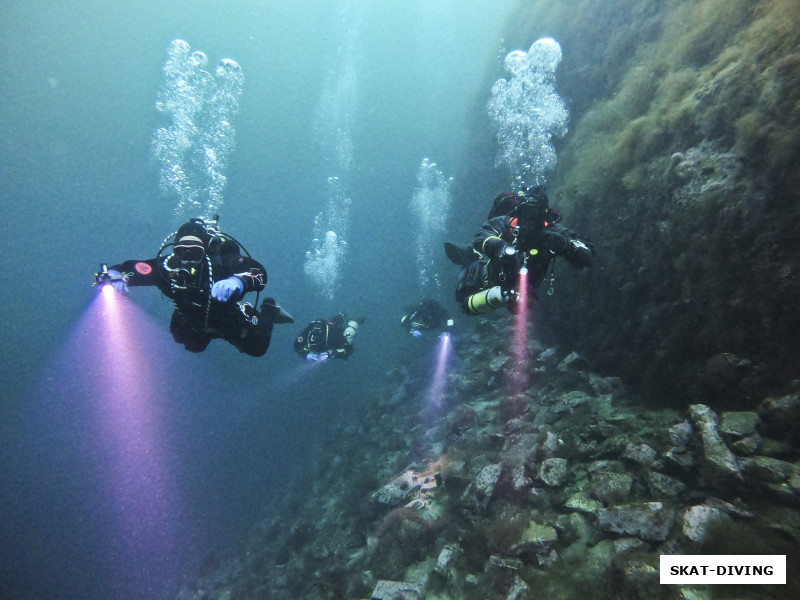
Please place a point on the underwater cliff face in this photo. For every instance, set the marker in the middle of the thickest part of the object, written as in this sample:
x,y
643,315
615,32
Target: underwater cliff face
x,y
681,167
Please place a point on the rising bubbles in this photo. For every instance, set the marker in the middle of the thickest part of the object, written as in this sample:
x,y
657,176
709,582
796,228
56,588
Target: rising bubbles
x,y
528,112
194,148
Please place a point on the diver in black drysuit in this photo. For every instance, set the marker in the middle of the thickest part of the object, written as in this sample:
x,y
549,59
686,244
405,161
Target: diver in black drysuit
x,y
206,277
427,315
322,340
521,232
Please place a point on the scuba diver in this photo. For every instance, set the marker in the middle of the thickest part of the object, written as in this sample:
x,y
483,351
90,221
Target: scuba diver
x,y
427,315
323,339
204,273
522,235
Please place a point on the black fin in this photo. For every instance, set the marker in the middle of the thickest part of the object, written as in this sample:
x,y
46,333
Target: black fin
x,y
463,255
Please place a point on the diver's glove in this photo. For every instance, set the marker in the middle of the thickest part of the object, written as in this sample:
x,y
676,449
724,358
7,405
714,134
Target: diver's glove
x,y
318,357
113,278
225,289
415,332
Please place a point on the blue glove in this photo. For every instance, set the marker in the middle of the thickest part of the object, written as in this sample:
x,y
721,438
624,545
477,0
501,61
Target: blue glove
x,y
114,279
415,332
227,288
312,356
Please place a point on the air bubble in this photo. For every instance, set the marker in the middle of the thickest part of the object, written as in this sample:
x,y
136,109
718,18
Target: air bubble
x,y
199,58
193,150
528,112
516,62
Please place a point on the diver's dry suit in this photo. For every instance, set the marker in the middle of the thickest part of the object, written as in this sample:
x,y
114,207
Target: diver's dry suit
x,y
323,339
198,318
528,236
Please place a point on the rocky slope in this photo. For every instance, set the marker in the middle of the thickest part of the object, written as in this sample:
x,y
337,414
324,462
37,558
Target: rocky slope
x,y
567,486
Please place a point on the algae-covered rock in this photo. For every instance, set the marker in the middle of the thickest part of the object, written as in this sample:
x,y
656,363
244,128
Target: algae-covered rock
x,y
553,471
720,463
649,520
738,424
696,520
610,487
396,590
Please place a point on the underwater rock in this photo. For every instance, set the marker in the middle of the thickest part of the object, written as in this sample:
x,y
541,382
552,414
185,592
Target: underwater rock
x,y
519,590
398,491
681,457
625,545
569,402
780,418
650,521
447,555
396,590
611,386
514,425
681,434
519,479
696,520
661,485
720,464
504,563
766,469
738,424
611,488
486,482
553,471
582,502
747,446
536,539
572,362
551,444
547,357
519,448
640,453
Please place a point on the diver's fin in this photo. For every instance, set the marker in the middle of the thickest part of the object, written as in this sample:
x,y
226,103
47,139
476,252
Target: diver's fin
x,y
279,316
282,317
460,255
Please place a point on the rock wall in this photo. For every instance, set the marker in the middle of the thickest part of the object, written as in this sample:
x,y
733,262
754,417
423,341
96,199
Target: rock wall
x,y
681,166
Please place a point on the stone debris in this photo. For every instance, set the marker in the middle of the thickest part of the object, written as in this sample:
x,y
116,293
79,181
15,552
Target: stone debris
x,y
553,471
696,520
396,590
720,464
650,521
526,482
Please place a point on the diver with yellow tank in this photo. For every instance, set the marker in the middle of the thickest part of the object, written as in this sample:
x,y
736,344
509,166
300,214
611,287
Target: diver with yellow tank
x,y
522,235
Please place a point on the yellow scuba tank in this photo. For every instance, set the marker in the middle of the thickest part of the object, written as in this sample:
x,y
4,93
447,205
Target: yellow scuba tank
x,y
486,301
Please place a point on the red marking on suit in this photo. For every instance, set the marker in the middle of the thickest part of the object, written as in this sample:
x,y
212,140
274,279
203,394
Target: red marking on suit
x,y
143,268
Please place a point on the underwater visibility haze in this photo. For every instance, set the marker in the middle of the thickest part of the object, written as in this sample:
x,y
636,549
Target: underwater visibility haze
x,y
123,474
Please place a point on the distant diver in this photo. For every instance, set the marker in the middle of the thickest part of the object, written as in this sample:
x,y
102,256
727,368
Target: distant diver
x,y
427,315
327,339
522,234
204,273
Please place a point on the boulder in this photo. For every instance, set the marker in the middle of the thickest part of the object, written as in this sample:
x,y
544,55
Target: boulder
x,y
720,464
396,590
553,471
650,521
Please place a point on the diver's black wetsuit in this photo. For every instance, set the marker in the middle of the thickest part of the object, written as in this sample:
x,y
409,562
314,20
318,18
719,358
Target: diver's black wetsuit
x,y
321,336
426,315
540,244
198,318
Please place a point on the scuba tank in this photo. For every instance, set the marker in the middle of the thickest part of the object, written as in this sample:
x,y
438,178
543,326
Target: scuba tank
x,y
487,300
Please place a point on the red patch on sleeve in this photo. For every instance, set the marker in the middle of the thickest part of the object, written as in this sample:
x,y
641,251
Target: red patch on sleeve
x,y
143,268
